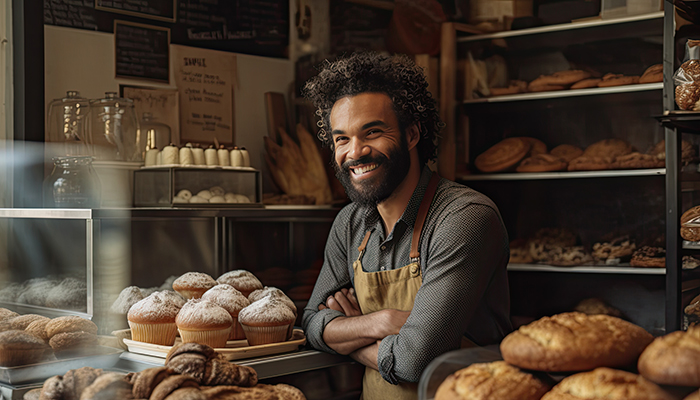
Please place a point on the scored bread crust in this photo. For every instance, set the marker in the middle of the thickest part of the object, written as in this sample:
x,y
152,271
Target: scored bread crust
x,y
673,359
503,155
606,383
688,232
493,381
575,342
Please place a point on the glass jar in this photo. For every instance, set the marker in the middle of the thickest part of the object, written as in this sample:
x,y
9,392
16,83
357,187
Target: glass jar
x,y
114,129
67,121
73,183
157,133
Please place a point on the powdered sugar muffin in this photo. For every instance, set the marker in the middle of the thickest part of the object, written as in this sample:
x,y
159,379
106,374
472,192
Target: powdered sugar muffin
x,y
192,285
173,297
232,301
266,321
244,281
275,293
152,320
204,322
127,298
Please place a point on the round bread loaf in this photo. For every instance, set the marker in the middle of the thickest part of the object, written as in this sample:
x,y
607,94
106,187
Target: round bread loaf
x,y
655,73
244,281
205,322
566,152
70,323
491,381
152,320
266,321
687,95
503,155
536,146
673,359
690,233
192,285
20,348
606,384
575,342
232,301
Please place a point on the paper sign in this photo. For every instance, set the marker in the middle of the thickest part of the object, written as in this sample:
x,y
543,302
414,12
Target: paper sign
x,y
205,80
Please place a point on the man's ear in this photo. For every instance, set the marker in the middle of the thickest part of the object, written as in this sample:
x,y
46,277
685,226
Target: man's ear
x,y
412,136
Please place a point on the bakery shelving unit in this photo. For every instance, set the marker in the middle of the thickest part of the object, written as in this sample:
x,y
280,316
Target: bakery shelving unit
x,y
467,134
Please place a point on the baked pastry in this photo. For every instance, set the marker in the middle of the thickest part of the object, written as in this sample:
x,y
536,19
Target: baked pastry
x,y
277,294
543,87
172,383
690,70
73,344
563,78
673,359
655,73
690,233
204,322
503,155
242,280
127,298
614,251
75,381
649,257
109,385
567,256
152,320
266,321
69,294
594,306
38,328
536,146
209,367
687,96
687,151
6,314
586,83
542,163
21,322
10,293
587,163
608,148
147,380
546,239
690,262
493,381
566,152
172,296
261,391
608,384
514,87
35,291
232,301
20,348
617,80
520,252
69,323
637,160
52,389
575,342
192,285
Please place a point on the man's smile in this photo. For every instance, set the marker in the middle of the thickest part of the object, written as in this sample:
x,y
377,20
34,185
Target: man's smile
x,y
363,169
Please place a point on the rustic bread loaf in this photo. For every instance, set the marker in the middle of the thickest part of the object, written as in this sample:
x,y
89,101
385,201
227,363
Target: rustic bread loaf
x,y
608,384
673,359
575,342
493,381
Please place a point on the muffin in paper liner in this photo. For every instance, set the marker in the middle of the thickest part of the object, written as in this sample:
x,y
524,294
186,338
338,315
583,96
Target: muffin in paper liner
x,y
13,358
156,333
215,338
257,335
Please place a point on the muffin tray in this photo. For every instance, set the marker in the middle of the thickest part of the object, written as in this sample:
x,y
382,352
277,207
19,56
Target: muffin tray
x,y
234,350
106,357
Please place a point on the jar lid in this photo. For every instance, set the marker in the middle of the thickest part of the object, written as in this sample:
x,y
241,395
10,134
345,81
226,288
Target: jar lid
x,y
113,100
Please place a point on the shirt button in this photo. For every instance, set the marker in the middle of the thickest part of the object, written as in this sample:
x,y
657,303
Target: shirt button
x,y
383,247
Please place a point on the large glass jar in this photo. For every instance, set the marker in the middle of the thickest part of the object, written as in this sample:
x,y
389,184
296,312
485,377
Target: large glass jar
x,y
73,183
67,122
114,129
157,134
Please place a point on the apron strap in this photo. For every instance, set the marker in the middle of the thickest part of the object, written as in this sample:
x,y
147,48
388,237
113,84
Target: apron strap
x,y
422,213
364,242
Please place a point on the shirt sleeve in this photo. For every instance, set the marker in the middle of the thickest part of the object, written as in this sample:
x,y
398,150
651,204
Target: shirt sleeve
x,y
464,251
334,276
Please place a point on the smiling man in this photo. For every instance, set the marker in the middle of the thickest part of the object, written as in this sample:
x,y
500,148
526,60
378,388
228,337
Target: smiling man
x,y
415,266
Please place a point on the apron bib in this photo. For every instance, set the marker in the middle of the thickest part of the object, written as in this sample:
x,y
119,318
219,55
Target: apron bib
x,y
395,289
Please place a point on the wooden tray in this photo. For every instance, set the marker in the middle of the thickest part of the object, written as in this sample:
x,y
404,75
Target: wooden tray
x,y
234,350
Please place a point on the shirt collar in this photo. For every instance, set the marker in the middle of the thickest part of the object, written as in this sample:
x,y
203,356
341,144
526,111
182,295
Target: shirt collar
x,y
372,217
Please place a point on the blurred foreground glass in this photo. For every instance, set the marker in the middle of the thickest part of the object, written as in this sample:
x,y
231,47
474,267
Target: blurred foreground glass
x,y
114,129
67,124
72,183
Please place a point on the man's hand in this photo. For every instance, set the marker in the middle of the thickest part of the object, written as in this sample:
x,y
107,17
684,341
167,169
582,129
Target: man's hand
x,y
343,301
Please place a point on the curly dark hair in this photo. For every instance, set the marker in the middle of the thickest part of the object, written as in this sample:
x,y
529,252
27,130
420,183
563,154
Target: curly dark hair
x,y
370,72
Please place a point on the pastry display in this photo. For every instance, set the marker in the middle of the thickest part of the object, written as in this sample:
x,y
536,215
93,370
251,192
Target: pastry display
x,y
67,293
192,155
204,322
673,359
649,257
152,320
503,155
266,321
495,381
574,342
192,285
232,301
244,281
212,195
606,383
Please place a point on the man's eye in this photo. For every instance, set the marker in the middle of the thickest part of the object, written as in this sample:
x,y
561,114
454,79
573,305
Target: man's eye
x,y
373,131
339,139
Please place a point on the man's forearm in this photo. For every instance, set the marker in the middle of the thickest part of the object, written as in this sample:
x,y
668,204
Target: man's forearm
x,y
347,334
367,355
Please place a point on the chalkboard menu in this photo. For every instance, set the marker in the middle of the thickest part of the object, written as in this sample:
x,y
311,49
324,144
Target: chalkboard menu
x,y
142,51
259,27
163,10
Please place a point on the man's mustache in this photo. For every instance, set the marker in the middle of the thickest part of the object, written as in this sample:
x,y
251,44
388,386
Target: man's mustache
x,y
363,160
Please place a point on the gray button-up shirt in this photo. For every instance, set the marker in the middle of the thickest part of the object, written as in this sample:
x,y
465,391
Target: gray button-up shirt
x,y
463,258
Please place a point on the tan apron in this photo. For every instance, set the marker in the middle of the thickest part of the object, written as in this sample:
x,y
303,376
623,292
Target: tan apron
x,y
395,289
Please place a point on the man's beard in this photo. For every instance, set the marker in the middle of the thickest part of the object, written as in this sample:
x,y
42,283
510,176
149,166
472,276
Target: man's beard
x,y
372,191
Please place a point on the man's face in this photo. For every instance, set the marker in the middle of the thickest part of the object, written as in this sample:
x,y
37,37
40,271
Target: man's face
x,y
371,153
